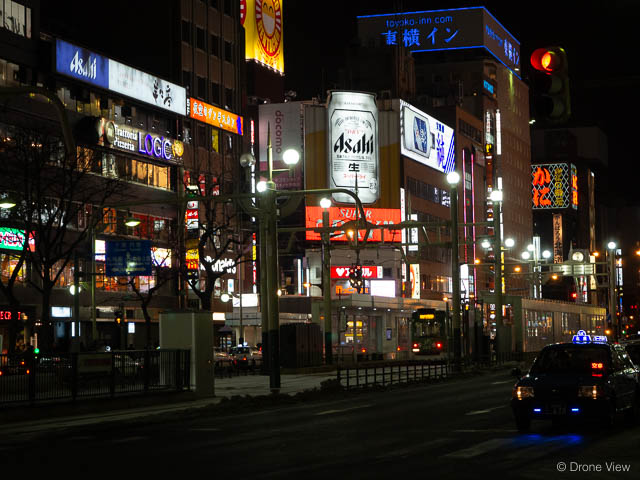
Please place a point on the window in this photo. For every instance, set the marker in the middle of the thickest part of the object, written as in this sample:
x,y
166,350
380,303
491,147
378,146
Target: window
x,y
228,98
227,7
228,52
215,93
186,32
202,88
186,79
200,39
214,45
213,3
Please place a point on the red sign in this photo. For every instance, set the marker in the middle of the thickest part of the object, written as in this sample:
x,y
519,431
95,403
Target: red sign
x,y
340,215
367,272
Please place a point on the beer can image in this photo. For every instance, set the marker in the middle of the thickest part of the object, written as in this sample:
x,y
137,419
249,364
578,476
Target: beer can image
x,y
352,119
417,135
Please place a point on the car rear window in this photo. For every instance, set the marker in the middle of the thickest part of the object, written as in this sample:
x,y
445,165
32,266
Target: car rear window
x,y
571,359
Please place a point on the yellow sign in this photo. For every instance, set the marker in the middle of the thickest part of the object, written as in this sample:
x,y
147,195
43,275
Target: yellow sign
x,y
263,33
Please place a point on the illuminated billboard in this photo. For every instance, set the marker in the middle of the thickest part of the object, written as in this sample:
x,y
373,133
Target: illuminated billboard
x,y
433,30
339,216
554,186
352,146
426,139
262,21
103,72
214,116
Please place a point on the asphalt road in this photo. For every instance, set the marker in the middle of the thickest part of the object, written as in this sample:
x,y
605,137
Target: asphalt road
x,y
458,429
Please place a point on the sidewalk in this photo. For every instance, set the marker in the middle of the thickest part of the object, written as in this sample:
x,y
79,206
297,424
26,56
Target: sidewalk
x,y
35,419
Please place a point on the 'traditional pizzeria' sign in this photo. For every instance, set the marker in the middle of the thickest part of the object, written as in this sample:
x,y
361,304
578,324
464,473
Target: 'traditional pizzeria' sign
x,y
554,186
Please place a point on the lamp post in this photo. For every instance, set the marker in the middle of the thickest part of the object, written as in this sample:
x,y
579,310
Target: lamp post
x,y
611,250
496,198
325,203
453,178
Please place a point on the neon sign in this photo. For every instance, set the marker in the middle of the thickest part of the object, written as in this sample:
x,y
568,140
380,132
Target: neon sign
x,y
554,186
130,139
338,216
367,272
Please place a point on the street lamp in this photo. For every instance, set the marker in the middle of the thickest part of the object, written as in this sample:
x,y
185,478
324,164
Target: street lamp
x,y
325,203
496,198
452,179
611,246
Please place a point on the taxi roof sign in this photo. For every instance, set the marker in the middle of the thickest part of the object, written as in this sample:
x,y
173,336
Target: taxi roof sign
x,y
581,338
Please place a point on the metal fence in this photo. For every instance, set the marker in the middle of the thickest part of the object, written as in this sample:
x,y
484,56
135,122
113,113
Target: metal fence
x,y
389,373
392,372
69,376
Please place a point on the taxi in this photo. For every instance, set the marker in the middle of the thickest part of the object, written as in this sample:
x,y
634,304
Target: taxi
x,y
587,378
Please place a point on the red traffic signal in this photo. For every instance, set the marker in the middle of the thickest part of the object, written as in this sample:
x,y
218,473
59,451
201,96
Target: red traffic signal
x,y
548,59
549,78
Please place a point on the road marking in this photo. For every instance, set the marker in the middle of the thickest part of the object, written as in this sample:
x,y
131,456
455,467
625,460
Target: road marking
x,y
480,412
501,382
129,439
205,429
414,447
330,412
480,448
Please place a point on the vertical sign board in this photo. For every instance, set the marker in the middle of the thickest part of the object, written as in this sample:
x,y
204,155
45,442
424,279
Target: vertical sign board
x,y
414,270
286,124
353,146
262,22
554,186
426,140
128,257
558,256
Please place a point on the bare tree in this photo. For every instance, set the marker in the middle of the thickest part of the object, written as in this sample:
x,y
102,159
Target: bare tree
x,y
57,191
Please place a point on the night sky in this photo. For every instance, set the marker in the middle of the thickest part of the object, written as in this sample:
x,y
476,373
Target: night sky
x,y
599,38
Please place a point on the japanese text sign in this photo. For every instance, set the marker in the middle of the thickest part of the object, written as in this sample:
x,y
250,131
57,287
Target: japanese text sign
x,y
554,186
214,116
435,30
128,257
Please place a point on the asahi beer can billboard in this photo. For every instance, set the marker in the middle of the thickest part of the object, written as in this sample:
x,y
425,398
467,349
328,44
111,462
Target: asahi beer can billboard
x,y
353,146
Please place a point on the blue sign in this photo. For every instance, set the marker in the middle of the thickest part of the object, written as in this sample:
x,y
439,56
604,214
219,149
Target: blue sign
x,y
81,64
581,337
128,257
451,29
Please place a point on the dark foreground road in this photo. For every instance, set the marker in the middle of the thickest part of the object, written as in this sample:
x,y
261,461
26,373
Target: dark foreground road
x,y
457,429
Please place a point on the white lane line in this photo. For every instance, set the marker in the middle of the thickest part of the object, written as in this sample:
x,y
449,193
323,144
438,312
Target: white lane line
x,y
480,448
502,381
129,439
204,429
487,410
418,447
330,412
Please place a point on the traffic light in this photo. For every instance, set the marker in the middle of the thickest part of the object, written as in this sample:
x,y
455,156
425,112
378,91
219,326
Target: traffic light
x,y
550,85
355,277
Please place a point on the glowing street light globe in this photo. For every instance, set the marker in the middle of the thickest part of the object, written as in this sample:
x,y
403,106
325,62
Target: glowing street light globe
x,y
453,178
290,157
325,203
526,255
509,242
611,245
546,254
261,186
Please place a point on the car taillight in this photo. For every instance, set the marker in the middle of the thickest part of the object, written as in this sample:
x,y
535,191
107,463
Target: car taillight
x,y
438,345
244,358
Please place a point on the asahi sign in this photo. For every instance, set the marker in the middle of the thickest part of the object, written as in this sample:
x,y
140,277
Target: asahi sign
x,y
353,146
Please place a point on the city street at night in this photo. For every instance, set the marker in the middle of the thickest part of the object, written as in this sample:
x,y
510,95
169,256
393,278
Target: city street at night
x,y
457,429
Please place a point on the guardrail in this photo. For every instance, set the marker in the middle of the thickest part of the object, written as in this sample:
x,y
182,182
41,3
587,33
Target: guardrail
x,y
390,373
70,376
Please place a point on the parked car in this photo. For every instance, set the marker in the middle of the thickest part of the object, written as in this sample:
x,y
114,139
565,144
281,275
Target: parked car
x,y
220,356
244,356
633,349
587,378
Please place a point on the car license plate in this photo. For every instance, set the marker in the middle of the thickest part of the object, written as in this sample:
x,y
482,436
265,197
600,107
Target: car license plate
x,y
557,409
